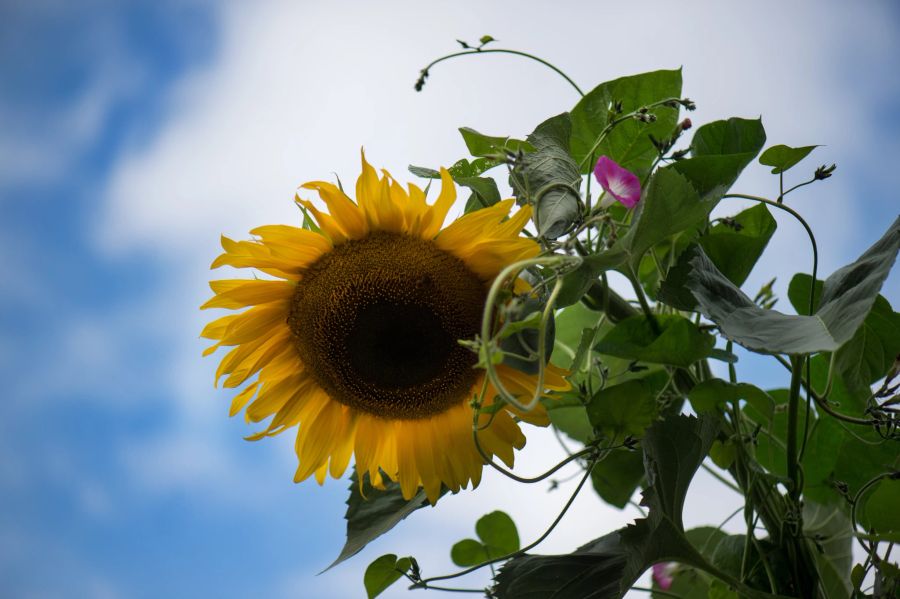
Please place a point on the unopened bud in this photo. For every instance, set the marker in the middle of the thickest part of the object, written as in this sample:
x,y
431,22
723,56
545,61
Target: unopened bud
x,y
685,124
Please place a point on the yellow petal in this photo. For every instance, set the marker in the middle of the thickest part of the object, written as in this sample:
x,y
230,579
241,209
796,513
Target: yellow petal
x,y
441,206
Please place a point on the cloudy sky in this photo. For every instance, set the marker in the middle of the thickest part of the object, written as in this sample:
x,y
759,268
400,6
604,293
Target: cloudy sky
x,y
132,134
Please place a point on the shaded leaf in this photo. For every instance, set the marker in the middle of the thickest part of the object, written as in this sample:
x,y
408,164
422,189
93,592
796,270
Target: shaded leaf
x,y
622,410
468,552
735,248
617,476
880,509
713,394
678,343
847,297
383,572
829,527
373,512
784,157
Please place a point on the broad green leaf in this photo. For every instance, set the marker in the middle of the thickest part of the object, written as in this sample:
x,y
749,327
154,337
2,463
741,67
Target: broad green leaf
x,y
484,192
548,178
713,394
798,293
678,343
830,527
847,297
570,326
488,146
723,454
618,475
373,512
670,205
673,290
880,509
871,351
383,572
573,421
719,152
498,533
784,157
629,142
468,552
735,248
622,410
607,567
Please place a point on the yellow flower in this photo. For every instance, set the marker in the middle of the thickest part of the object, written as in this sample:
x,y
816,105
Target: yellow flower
x,y
354,338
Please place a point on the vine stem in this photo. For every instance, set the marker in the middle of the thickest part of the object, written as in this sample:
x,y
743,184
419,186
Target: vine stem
x,y
423,583
793,465
487,321
549,65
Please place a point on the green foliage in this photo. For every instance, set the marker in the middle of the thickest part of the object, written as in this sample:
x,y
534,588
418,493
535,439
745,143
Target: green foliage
x,y
623,410
847,297
784,157
383,572
497,536
799,455
677,342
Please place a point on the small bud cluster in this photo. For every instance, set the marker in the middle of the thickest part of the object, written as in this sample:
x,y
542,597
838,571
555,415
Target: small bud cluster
x,y
823,172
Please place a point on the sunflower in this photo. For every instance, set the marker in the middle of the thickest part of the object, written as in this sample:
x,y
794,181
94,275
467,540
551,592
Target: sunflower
x,y
354,336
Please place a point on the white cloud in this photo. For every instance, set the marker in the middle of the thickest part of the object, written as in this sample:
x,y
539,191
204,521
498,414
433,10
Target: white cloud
x,y
298,88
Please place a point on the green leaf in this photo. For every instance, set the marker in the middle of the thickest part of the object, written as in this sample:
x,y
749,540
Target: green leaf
x,y
871,351
383,572
622,410
719,152
577,282
570,326
673,290
373,512
830,528
489,146
784,157
498,533
573,421
548,178
678,343
618,475
879,509
629,142
735,248
670,206
847,297
468,552
798,293
713,394
484,192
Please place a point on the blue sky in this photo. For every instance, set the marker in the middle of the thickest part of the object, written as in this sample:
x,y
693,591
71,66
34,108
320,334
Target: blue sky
x,y
132,134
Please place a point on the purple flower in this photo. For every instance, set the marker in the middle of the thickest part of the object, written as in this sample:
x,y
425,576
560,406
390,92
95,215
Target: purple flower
x,y
662,575
620,183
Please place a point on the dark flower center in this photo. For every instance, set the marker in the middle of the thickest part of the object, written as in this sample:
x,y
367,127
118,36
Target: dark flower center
x,y
376,322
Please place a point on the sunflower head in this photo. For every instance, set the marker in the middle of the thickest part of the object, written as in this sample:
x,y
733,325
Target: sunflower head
x,y
352,334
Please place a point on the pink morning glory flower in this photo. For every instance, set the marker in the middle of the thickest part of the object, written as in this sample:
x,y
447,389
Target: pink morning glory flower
x,y
662,575
620,183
